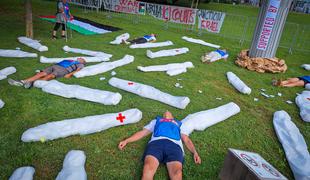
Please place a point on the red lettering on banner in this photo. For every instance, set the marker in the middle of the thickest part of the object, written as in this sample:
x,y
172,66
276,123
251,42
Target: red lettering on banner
x,y
272,9
210,25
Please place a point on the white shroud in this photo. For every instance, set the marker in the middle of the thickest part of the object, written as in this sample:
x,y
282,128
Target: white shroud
x,y
199,41
16,53
306,67
118,39
35,44
73,166
238,83
171,69
80,126
103,67
79,92
5,72
294,145
87,52
151,45
164,53
201,120
308,86
87,59
1,103
23,173
303,102
150,92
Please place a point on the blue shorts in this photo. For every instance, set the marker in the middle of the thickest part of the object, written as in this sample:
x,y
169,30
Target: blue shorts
x,y
164,151
306,79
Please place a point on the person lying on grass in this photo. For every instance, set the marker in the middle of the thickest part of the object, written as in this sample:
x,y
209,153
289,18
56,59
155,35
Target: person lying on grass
x,y
165,146
65,68
141,40
292,82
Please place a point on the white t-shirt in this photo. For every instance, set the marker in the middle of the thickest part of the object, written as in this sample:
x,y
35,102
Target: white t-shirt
x,y
151,126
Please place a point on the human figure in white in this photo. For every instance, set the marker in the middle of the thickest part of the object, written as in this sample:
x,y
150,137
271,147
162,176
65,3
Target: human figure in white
x,y
141,40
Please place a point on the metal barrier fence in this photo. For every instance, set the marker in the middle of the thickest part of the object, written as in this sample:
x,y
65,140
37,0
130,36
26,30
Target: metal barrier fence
x,y
236,28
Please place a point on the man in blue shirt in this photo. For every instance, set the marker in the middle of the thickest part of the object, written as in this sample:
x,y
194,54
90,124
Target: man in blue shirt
x,y
165,146
141,40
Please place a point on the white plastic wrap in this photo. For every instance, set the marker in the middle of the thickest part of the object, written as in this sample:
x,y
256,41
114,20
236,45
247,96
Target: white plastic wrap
x,y
80,126
23,173
215,56
303,102
294,145
150,92
79,92
164,53
16,53
238,83
87,52
306,67
35,44
118,39
103,67
1,103
87,59
151,45
171,69
201,120
199,41
5,72
308,86
73,166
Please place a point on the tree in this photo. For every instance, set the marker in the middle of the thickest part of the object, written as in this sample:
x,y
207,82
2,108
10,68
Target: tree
x,y
28,19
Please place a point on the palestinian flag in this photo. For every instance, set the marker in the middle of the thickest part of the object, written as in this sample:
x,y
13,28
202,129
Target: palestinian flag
x,y
84,26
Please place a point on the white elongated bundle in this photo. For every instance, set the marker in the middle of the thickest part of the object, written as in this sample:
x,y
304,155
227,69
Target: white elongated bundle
x,y
87,52
1,103
201,120
308,86
4,73
73,166
303,102
164,53
35,44
118,39
79,92
150,92
80,126
103,67
171,69
215,56
294,145
23,173
151,45
87,59
199,41
16,53
238,83
306,67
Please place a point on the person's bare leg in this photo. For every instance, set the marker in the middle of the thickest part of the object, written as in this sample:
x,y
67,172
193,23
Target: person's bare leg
x,y
150,166
48,77
54,33
63,33
290,80
295,84
175,170
36,77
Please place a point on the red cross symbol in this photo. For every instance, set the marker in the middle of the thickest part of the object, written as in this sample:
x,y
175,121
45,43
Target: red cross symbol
x,y
120,117
130,83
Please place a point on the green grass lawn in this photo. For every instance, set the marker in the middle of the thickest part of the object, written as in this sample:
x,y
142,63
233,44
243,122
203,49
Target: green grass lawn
x,y
250,130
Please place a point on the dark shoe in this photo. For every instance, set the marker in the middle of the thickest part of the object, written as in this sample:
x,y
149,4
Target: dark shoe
x,y
54,37
15,82
28,85
63,37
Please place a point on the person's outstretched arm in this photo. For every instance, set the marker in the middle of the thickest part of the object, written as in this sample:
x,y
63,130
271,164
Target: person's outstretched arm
x,y
190,146
69,75
135,137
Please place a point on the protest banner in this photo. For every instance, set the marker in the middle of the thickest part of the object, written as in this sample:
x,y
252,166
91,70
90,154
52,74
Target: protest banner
x,y
210,20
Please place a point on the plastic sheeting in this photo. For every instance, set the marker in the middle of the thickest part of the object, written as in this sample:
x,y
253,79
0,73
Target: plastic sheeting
x,y
23,173
303,102
294,145
306,67
79,92
201,120
308,86
150,92
87,59
199,41
4,73
215,56
80,126
103,67
89,27
73,166
35,44
118,39
151,45
16,53
1,103
87,52
238,83
163,53
171,69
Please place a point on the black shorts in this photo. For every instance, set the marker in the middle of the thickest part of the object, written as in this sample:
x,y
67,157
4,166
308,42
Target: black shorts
x,y
138,41
164,151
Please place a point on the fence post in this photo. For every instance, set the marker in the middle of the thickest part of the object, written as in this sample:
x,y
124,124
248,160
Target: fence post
x,y
244,31
294,39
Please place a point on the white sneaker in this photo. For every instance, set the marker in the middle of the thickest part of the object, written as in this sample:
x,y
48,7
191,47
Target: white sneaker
x,y
15,82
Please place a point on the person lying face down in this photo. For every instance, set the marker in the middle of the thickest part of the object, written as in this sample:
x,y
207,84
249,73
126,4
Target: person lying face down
x,y
165,146
65,68
292,82
141,40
